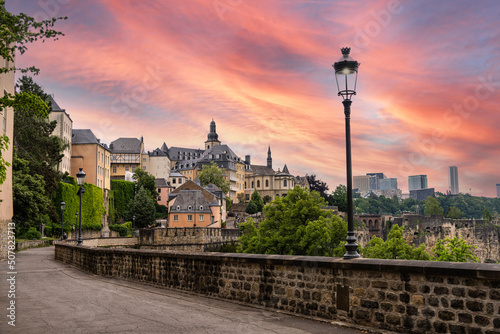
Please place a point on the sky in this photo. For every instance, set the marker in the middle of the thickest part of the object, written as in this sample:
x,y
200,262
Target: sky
x,y
428,94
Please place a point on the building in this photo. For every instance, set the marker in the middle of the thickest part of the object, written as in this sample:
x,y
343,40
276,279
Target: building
x,y
157,162
176,179
269,182
421,194
94,157
125,156
7,81
453,180
362,183
63,130
164,189
375,179
193,205
416,182
388,184
213,137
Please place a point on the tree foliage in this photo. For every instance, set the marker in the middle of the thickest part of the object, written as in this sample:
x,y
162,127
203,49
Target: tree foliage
x,y
29,199
318,185
256,203
454,213
339,198
145,180
394,247
143,208
432,207
212,174
15,33
295,225
454,250
123,192
487,215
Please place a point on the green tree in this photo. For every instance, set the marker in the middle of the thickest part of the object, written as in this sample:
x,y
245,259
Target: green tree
x,y
339,198
487,215
256,203
123,192
394,247
212,174
267,199
295,225
432,207
143,208
16,32
454,213
318,185
145,180
454,250
29,199
241,198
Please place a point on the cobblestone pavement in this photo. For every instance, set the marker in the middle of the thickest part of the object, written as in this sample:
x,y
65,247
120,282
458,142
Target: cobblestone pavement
x,y
51,297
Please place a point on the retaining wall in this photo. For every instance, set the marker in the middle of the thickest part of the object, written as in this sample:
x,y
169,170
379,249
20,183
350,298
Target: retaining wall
x,y
397,295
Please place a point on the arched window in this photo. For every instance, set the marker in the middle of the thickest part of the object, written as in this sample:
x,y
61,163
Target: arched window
x,y
267,183
178,207
252,184
284,183
189,207
258,183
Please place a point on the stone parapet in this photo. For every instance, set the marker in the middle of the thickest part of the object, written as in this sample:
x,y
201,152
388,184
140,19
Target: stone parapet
x,y
397,295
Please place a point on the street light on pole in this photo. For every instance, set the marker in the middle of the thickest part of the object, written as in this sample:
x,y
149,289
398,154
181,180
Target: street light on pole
x,y
63,205
346,76
80,177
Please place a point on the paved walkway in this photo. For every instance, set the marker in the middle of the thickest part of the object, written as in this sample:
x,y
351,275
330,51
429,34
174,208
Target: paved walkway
x,y
52,297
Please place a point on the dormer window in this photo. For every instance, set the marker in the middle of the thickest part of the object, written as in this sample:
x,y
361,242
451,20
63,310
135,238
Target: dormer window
x,y
178,208
201,207
190,207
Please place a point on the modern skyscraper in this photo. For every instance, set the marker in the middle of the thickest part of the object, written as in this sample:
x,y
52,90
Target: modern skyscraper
x,y
388,184
362,183
453,180
375,180
416,182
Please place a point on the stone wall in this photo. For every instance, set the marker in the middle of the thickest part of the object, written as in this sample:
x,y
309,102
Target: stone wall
x,y
430,229
107,242
33,243
194,239
4,239
397,295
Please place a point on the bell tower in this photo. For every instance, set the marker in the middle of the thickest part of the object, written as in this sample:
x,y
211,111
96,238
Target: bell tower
x,y
213,137
269,159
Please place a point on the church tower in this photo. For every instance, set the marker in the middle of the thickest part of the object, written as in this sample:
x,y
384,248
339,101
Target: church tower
x,y
213,137
269,159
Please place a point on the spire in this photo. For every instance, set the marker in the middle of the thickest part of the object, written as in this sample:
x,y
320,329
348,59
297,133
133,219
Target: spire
x,y
285,169
164,147
213,137
269,158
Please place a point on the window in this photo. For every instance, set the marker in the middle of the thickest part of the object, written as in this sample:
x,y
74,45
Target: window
x,y
176,218
143,159
267,183
190,218
133,168
284,183
258,183
144,167
180,180
159,198
178,207
126,168
173,181
114,169
190,207
201,218
245,184
252,184
201,207
159,190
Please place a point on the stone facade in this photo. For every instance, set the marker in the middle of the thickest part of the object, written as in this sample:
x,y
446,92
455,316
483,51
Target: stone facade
x,y
396,295
191,239
430,229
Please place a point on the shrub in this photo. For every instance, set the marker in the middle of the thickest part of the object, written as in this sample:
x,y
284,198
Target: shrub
x,y
32,234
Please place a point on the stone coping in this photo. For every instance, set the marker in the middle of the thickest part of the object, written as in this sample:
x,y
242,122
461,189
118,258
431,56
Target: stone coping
x,y
469,270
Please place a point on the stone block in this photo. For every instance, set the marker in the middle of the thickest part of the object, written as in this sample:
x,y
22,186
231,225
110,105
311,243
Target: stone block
x,y
393,319
457,304
362,315
440,327
446,315
369,304
457,329
475,306
417,299
441,290
475,293
458,292
495,294
428,313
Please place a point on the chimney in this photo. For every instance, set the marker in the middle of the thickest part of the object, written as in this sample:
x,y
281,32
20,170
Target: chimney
x,y
247,159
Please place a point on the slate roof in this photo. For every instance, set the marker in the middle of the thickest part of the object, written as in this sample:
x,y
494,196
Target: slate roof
x,y
126,145
285,170
161,183
225,154
262,170
193,199
157,152
190,185
182,153
83,136
53,104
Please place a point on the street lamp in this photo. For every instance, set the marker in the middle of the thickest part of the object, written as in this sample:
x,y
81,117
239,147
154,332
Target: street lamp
x,y
80,178
346,75
76,221
63,205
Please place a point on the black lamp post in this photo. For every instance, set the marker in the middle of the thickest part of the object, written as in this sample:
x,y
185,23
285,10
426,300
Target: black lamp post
x,y
133,225
346,75
63,205
80,178
76,221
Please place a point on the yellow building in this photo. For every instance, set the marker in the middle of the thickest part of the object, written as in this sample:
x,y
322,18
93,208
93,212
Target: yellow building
x,y
6,206
91,155
126,156
63,130
156,163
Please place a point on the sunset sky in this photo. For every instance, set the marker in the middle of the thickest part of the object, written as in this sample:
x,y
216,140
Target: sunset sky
x,y
428,86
